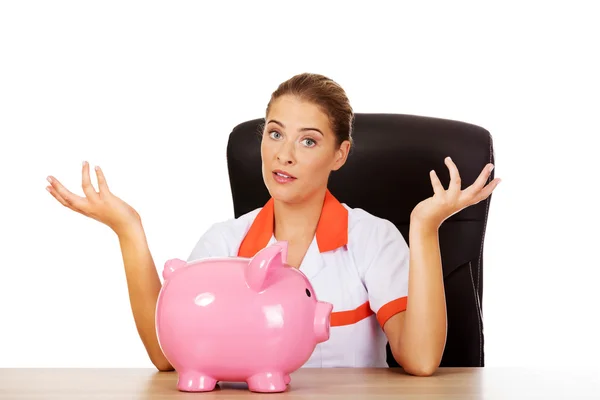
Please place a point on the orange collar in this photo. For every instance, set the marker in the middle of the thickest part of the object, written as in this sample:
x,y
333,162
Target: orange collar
x,y
332,228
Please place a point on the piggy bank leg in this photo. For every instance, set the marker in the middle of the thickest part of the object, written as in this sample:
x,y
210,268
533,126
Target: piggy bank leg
x,y
267,382
192,381
287,379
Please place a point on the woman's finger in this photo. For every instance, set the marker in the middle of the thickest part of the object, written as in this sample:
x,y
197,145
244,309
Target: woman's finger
x,y
77,202
435,182
86,182
58,197
102,185
486,191
475,188
455,181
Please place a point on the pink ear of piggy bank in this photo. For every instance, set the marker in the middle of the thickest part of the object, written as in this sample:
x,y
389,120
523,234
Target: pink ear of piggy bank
x,y
239,320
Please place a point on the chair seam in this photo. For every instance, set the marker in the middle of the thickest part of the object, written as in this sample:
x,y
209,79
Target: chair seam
x,y
487,207
479,316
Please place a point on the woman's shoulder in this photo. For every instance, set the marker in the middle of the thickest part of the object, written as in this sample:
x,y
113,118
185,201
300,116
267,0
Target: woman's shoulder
x,y
376,245
363,224
235,226
223,238
370,235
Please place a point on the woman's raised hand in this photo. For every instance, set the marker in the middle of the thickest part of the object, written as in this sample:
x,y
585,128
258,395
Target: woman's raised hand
x,y
103,206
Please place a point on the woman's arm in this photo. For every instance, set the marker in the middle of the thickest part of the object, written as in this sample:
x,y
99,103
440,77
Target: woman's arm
x,y
418,335
144,286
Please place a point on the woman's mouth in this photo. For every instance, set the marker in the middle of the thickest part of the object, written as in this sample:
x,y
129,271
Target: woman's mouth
x,y
283,177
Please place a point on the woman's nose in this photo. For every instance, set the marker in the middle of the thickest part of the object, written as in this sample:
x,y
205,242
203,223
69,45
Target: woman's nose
x,y
286,154
284,159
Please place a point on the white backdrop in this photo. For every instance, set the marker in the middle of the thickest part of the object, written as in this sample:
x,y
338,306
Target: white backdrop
x,y
150,92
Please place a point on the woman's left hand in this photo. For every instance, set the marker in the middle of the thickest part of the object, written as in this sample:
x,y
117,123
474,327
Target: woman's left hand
x,y
445,203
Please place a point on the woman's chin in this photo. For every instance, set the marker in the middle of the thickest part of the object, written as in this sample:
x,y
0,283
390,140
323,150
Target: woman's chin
x,y
284,193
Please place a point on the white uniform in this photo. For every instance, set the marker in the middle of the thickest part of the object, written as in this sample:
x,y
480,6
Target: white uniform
x,y
357,262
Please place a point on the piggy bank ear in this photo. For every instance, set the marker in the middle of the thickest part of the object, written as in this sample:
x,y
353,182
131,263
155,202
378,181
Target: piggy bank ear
x,y
263,263
171,266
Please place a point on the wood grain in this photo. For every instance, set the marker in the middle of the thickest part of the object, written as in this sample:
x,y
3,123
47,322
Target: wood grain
x,y
348,384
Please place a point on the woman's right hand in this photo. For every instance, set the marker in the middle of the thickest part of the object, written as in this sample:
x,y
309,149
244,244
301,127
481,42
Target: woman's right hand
x,y
102,206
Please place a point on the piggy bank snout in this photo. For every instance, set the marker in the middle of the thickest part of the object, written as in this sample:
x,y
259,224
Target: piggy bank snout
x,y
322,321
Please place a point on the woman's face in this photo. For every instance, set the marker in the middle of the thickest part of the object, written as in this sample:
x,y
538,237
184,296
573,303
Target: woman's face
x,y
298,150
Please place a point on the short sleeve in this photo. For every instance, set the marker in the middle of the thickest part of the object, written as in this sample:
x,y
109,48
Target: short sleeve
x,y
386,277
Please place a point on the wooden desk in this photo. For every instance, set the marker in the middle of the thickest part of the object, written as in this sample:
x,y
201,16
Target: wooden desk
x,y
350,384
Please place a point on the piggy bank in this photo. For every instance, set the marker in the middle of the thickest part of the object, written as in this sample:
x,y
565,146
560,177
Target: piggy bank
x,y
235,319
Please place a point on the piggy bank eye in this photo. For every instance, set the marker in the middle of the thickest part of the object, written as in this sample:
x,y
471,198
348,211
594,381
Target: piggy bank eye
x,y
308,292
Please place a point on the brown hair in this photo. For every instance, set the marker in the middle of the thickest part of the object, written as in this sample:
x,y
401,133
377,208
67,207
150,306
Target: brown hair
x,y
326,94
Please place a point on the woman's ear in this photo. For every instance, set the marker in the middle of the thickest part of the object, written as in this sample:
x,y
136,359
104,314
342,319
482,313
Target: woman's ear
x,y
341,155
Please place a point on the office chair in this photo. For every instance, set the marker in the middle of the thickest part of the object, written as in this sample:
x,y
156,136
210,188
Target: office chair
x,y
387,174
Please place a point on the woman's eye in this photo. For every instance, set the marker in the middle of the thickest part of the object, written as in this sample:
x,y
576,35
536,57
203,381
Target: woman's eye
x,y
275,135
309,142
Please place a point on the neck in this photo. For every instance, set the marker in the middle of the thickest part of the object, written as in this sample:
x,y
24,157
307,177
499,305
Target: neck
x,y
299,220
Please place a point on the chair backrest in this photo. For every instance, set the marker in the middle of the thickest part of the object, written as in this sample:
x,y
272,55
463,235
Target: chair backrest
x,y
387,174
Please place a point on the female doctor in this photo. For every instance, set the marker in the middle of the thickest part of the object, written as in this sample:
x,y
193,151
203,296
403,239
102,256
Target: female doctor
x,y
307,134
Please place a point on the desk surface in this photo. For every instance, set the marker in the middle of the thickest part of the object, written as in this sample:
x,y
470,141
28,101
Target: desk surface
x,y
447,383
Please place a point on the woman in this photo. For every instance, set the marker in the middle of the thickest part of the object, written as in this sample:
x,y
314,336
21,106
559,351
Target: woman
x,y
355,260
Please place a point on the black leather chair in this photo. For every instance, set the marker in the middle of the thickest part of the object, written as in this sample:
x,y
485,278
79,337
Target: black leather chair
x,y
387,174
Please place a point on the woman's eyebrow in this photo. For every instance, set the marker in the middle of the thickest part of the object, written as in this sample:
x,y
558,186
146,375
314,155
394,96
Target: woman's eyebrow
x,y
301,130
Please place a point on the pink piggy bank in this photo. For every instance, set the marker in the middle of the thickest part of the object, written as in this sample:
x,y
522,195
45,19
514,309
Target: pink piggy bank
x,y
239,320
